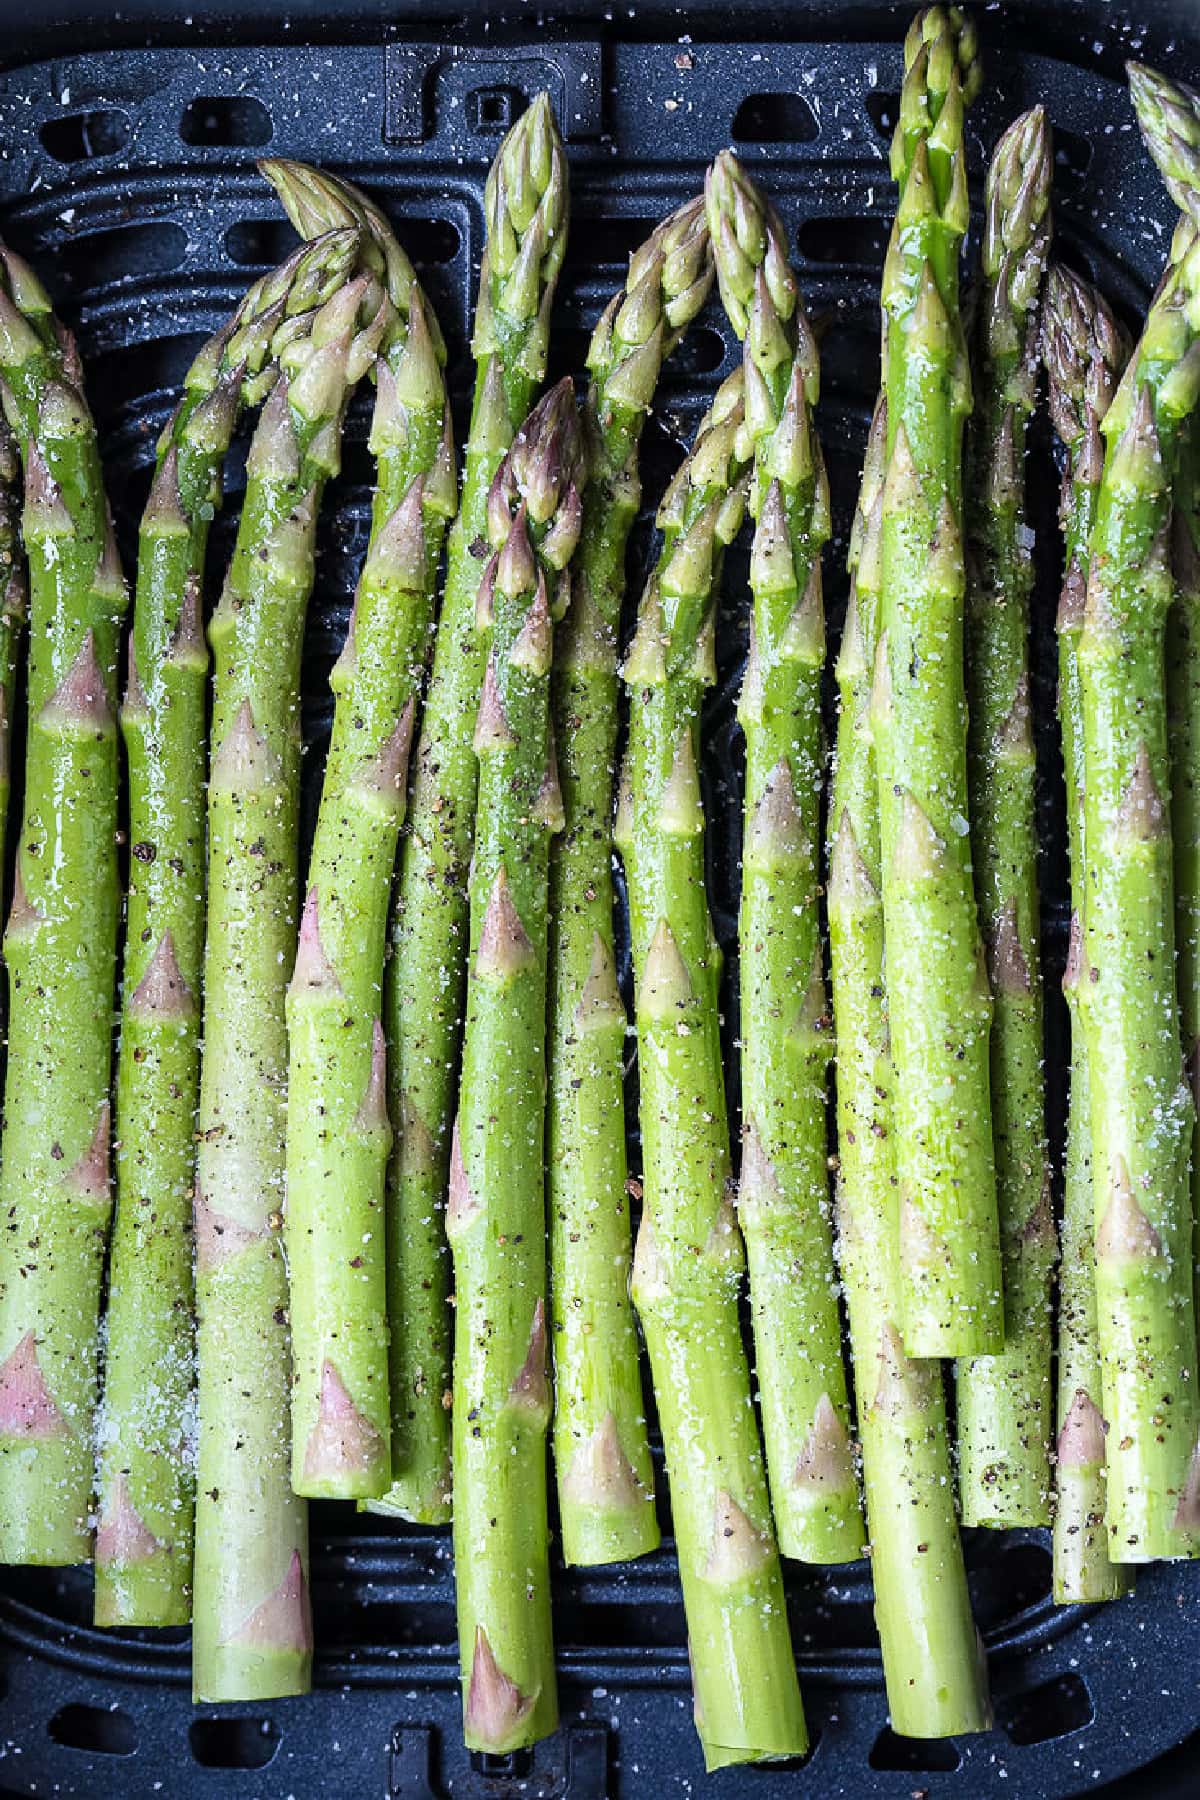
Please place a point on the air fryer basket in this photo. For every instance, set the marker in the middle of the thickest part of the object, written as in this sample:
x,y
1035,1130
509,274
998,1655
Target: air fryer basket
x,y
128,177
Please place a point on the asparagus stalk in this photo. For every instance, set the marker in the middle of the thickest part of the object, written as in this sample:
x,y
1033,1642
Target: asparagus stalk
x,y
932,1658
418,1324
1084,352
338,1130
144,1540
605,1480
688,1259
1004,1400
60,945
14,605
526,204
252,1635
940,1005
1183,728
1141,1108
496,1217
783,1205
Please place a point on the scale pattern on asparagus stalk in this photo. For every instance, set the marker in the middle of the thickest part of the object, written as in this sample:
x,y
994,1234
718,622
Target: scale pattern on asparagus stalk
x,y
934,1671
527,213
1004,1400
1183,729
252,1633
496,1219
939,1000
14,605
146,1477
605,1480
1141,1107
338,1130
60,947
688,1261
783,1203
1084,352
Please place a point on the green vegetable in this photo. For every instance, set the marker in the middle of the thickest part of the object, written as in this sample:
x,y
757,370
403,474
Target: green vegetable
x,y
783,1202
14,605
496,1219
60,945
688,1260
1141,1108
932,1658
338,1130
146,1475
1084,352
252,1635
938,996
527,208
605,1480
1004,1400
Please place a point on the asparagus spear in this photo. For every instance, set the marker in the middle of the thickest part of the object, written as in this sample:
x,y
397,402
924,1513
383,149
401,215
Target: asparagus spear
x,y
144,1541
1183,728
60,946
1141,1108
1004,1400
605,1480
1084,352
338,1131
496,1218
783,1203
932,1660
940,1006
688,1259
252,1635
526,205
14,603
1169,115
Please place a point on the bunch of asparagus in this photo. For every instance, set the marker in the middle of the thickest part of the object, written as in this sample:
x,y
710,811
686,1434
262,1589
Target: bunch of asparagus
x,y
423,1066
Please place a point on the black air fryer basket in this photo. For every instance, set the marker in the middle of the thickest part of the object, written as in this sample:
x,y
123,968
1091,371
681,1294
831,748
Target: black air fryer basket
x,y
127,176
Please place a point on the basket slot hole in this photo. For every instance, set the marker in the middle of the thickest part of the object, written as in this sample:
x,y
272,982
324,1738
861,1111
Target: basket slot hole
x,y
1072,158
1026,1574
430,242
493,110
516,1765
238,1743
774,119
80,137
260,243
126,253
1050,1711
609,241
235,120
917,1755
701,352
659,457
100,1730
883,111
859,242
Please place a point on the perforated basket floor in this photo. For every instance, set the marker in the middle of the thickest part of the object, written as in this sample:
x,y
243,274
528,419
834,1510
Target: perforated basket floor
x,y
128,177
